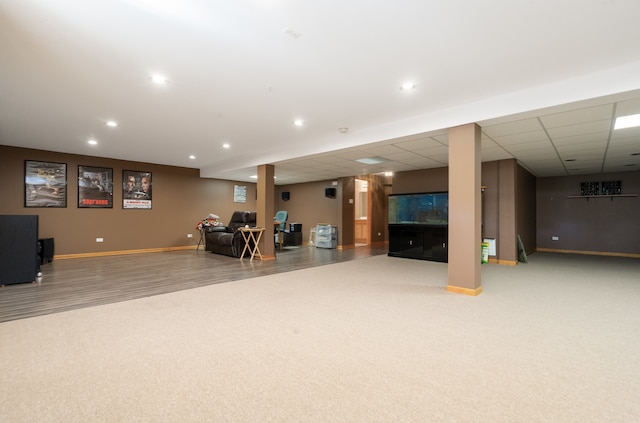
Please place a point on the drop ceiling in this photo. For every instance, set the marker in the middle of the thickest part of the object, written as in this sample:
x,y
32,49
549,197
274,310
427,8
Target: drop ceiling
x,y
544,82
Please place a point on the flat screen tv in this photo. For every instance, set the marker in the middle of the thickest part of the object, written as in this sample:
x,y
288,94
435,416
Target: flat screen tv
x,y
427,208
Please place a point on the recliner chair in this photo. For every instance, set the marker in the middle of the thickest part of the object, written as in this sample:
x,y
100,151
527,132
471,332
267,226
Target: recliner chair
x,y
278,232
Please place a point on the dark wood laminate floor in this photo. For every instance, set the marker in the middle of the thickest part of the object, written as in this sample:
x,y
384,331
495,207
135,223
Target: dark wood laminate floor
x,y
77,283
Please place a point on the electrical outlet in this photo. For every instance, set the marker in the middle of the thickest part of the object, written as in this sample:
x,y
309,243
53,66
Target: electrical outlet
x,y
554,238
99,239
189,235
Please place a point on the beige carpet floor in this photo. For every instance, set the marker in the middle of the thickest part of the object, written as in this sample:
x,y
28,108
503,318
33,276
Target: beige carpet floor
x,y
372,340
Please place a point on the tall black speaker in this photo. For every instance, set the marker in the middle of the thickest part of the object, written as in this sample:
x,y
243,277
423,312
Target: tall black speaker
x,y
45,250
18,249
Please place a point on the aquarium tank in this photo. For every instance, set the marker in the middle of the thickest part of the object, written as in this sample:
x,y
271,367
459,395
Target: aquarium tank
x,y
429,208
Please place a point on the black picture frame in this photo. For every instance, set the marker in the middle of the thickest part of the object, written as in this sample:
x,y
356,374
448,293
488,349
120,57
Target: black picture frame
x,y
137,189
95,187
45,184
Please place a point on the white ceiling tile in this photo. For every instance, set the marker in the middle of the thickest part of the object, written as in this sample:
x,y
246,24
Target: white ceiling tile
x,y
530,146
418,144
510,128
419,161
628,107
442,139
402,156
587,148
580,129
627,133
495,155
523,137
429,152
578,116
383,150
582,139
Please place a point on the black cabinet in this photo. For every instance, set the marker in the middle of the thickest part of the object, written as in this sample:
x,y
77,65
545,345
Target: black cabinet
x,y
19,261
424,242
292,238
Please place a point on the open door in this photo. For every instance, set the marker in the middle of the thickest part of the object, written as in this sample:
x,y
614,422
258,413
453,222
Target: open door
x,y
362,220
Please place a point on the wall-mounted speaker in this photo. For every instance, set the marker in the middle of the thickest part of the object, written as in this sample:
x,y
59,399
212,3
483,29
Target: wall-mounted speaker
x,y
286,195
330,192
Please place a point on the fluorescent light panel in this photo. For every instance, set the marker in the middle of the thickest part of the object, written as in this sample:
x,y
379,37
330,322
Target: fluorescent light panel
x,y
627,121
371,160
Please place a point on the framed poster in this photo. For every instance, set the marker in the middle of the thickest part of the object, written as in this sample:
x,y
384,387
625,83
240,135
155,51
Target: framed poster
x,y
45,184
136,189
95,187
239,193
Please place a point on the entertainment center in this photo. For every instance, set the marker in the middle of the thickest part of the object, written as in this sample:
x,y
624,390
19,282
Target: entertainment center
x,y
419,226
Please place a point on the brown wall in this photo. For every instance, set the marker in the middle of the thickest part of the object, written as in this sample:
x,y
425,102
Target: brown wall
x,y
346,232
598,225
499,201
379,209
526,209
180,199
309,206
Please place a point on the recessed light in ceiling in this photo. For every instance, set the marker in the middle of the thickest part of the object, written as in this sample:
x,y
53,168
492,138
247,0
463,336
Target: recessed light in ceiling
x,y
226,145
111,123
159,79
627,121
253,176
92,142
343,130
630,164
408,86
569,160
635,154
371,160
192,157
388,174
298,122
292,33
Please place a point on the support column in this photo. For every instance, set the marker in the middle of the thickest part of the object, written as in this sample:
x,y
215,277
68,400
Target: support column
x,y
464,210
266,210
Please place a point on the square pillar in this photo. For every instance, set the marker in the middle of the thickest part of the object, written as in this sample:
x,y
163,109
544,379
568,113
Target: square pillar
x,y
464,210
265,210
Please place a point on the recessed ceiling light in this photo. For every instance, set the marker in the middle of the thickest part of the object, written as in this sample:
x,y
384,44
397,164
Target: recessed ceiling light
x,y
408,86
192,157
159,79
627,121
343,130
298,122
253,176
635,154
569,160
388,174
111,123
92,142
292,33
371,160
630,164
226,145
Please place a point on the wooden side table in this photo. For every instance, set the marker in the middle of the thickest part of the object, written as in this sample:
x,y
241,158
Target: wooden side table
x,y
249,234
203,232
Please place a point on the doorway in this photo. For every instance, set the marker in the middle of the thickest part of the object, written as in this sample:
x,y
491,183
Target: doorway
x,y
362,221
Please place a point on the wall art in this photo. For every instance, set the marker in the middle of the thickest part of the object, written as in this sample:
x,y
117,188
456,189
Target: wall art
x,y
45,184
